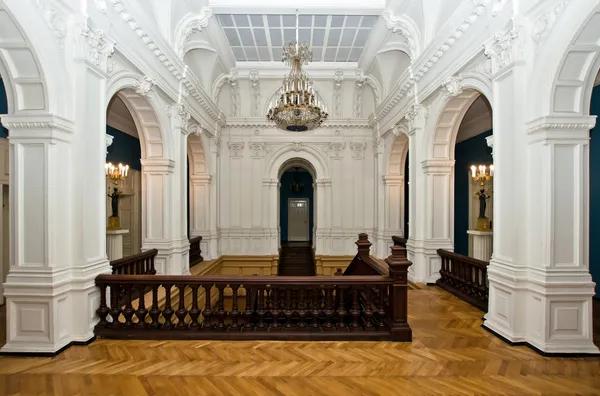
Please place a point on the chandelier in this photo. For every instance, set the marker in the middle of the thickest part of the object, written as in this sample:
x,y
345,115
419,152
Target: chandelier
x,y
116,172
297,107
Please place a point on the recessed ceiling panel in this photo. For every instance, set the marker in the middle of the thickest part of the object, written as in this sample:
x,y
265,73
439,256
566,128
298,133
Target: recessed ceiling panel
x,y
333,38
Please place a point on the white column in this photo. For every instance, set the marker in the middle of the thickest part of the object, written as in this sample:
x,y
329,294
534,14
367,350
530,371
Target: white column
x,y
114,244
39,305
379,248
482,244
200,211
394,210
214,202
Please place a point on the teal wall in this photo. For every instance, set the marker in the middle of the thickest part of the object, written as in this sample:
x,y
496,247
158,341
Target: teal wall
x,y
3,108
124,148
595,192
473,151
286,181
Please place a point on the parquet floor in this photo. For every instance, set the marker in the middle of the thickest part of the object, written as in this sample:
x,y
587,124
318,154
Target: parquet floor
x,y
450,355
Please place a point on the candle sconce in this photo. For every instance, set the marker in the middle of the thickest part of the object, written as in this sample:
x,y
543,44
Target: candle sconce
x,y
483,174
116,174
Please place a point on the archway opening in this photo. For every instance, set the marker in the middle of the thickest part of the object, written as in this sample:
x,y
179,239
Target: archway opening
x,y
296,218
406,195
594,211
126,148
4,194
473,208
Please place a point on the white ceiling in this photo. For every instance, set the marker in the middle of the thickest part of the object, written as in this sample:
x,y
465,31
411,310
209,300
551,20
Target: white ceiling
x,y
333,38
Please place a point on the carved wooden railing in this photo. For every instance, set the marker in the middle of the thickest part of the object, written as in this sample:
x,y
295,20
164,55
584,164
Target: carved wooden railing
x,y
195,252
363,263
465,277
260,308
137,264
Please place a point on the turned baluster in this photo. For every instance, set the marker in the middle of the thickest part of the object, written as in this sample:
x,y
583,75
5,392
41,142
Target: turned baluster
x,y
103,309
194,312
302,309
154,311
115,309
152,269
275,307
355,312
261,307
381,310
208,312
168,311
341,310
288,308
328,307
248,309
315,307
141,312
235,313
368,311
181,311
221,308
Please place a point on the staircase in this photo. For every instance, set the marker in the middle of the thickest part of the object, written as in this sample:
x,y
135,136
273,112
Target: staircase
x,y
296,259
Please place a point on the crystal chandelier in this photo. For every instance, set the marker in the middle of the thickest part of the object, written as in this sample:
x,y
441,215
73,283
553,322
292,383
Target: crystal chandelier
x,y
297,108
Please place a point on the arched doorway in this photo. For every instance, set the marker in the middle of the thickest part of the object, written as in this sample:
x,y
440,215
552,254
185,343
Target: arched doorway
x,y
296,218
471,149
4,192
126,149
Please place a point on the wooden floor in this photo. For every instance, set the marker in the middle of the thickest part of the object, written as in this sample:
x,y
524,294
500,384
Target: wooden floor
x,y
450,355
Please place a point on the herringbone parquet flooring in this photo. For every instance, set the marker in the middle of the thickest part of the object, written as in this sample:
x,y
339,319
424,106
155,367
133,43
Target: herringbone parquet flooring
x,y
450,355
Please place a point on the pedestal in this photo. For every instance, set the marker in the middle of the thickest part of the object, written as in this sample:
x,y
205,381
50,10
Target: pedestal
x,y
482,244
114,244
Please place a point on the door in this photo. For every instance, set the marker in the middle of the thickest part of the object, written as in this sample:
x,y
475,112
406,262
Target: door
x,y
298,216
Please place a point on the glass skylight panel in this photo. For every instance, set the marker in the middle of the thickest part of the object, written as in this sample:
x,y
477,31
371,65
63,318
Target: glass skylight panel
x,y
274,20
251,54
226,20
289,21
342,54
304,35
246,37
232,37
347,37
257,20
276,38
264,54
289,35
277,53
305,21
355,54
241,20
361,37
352,20
330,54
260,37
318,37
337,21
317,52
368,21
334,37
320,21
238,52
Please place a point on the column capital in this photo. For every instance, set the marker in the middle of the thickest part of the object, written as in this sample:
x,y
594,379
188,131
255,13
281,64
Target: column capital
x,y
158,165
94,46
392,179
560,128
415,117
41,127
432,166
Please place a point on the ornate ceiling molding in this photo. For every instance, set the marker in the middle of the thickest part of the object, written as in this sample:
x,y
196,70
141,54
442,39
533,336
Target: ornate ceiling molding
x,y
175,66
453,86
262,123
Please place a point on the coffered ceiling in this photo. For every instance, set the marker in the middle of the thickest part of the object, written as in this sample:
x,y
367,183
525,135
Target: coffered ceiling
x,y
333,38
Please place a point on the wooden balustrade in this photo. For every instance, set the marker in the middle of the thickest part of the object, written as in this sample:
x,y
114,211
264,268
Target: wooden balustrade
x,y
137,264
363,263
370,307
195,252
465,277
399,241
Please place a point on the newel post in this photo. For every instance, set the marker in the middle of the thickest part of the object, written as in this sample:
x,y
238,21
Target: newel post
x,y
398,269
363,244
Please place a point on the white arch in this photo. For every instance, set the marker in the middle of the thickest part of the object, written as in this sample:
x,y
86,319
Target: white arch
x,y
568,63
190,23
296,150
26,88
151,124
447,114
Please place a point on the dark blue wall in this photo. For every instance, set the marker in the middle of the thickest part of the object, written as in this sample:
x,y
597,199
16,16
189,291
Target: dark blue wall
x,y
286,181
3,108
595,191
473,151
124,148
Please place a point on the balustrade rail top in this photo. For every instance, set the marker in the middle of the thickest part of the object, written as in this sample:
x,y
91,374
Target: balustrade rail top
x,y
135,257
464,259
245,280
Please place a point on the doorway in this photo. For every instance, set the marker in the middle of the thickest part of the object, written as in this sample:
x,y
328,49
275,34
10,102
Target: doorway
x,y
298,218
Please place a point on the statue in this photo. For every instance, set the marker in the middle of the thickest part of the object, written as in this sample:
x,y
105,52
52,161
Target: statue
x,y
482,203
115,202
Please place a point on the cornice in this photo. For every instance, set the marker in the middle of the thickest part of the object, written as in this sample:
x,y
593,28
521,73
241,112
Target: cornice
x,y
260,122
38,122
166,55
561,123
427,59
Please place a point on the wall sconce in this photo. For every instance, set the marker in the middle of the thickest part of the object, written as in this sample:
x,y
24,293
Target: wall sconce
x,y
116,174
